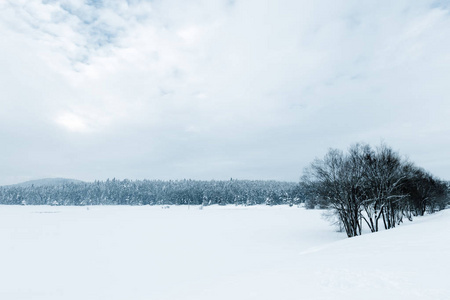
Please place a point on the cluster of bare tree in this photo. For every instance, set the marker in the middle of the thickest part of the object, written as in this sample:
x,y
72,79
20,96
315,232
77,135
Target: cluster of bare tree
x,y
371,186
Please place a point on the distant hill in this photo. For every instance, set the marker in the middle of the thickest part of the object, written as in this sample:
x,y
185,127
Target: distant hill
x,y
47,182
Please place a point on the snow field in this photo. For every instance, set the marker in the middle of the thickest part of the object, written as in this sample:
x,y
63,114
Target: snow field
x,y
122,252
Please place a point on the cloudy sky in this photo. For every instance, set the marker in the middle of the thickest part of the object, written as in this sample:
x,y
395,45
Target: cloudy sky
x,y
214,89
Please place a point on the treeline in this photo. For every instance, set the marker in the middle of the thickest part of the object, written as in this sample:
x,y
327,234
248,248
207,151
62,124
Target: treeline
x,y
155,192
375,187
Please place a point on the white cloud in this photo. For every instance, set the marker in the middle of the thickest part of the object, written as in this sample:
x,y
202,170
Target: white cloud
x,y
258,88
73,122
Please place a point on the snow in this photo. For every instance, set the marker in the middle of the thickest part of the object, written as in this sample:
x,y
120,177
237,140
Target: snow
x,y
122,252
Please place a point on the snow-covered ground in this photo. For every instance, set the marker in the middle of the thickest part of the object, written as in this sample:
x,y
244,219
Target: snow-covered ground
x,y
132,253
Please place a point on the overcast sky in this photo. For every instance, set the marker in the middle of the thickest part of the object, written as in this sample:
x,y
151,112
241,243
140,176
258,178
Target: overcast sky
x,y
218,89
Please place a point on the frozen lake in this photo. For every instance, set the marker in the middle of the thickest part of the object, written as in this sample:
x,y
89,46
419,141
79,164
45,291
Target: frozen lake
x,y
122,252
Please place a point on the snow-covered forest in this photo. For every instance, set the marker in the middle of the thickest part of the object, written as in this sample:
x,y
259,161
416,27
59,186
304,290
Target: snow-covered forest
x,y
154,192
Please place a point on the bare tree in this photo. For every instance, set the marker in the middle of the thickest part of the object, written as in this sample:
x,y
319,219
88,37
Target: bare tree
x,y
337,180
368,185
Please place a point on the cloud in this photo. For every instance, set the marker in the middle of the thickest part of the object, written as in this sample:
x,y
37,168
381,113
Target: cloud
x,y
218,89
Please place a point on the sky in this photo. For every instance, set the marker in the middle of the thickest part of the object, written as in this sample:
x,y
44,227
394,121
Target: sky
x,y
218,89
